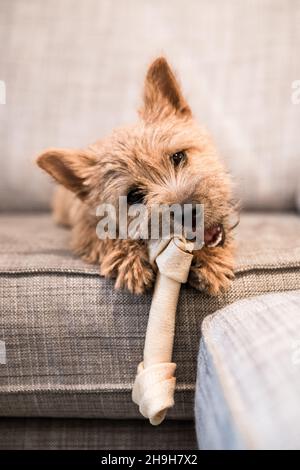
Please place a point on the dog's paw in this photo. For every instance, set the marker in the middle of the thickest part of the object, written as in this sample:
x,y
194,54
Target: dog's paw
x,y
213,277
132,272
135,275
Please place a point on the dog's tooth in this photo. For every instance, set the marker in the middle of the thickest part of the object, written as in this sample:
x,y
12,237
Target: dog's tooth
x,y
216,242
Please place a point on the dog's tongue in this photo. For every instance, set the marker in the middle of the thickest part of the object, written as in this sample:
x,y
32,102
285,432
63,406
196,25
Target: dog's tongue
x,y
213,236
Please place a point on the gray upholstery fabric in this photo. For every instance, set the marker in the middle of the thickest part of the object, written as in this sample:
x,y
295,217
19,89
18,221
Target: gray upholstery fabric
x,y
74,70
73,343
92,434
33,243
248,383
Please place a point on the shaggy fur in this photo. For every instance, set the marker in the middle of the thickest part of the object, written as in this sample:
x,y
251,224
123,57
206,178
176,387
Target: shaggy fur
x,y
138,156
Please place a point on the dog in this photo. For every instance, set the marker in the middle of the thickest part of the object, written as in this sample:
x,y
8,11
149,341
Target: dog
x,y
166,158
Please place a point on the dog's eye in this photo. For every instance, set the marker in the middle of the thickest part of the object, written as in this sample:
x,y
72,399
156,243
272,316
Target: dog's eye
x,y
135,196
178,157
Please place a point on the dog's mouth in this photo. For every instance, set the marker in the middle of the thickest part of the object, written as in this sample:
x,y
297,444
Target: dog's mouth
x,y
214,235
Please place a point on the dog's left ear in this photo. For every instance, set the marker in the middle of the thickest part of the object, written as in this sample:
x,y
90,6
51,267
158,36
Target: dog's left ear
x,y
71,168
162,94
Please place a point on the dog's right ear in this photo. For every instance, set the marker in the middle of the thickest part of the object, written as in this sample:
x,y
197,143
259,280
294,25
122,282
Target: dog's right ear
x,y
71,168
162,93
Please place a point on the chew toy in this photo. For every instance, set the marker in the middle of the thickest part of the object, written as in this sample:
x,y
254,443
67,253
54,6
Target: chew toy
x,y
154,386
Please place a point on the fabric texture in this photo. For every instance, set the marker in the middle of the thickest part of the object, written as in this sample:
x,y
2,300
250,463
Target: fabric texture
x,y
248,384
74,70
73,342
92,434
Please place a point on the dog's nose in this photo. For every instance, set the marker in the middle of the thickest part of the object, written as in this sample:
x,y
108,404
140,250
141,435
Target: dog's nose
x,y
188,216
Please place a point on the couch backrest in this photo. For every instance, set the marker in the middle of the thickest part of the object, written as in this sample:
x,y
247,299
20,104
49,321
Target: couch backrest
x,y
74,69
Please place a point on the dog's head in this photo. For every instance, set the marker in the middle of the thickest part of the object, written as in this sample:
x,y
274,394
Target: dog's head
x,y
166,158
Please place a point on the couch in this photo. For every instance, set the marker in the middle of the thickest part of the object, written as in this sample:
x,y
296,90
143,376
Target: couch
x,y
73,342
70,343
248,382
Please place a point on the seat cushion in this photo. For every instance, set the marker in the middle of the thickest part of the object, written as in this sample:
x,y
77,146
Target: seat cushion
x,y
248,383
73,343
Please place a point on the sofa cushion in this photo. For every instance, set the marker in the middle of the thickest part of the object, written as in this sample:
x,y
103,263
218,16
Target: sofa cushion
x,y
73,343
248,382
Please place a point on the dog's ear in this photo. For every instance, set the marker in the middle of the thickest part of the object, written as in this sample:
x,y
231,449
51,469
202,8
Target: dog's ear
x,y
71,168
162,94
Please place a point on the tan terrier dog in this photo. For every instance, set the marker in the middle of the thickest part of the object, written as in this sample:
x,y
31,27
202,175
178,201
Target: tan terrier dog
x,y
166,158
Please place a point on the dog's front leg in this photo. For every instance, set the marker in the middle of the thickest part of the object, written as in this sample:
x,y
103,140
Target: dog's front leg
x,y
128,262
212,269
